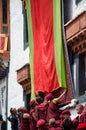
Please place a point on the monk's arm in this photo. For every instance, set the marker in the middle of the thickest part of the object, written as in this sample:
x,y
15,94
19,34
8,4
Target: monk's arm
x,y
55,100
34,116
26,115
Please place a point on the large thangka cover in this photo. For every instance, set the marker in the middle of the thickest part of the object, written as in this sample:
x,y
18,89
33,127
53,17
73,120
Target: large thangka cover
x,y
46,47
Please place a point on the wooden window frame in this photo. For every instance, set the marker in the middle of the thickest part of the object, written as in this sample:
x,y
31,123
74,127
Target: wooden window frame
x,y
5,56
1,18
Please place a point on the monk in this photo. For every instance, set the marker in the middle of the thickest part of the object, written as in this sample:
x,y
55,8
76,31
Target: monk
x,y
41,125
33,119
41,109
53,125
24,119
67,122
82,113
53,109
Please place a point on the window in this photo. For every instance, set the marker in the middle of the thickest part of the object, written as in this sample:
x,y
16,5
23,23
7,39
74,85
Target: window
x,y
82,78
26,99
25,28
4,17
77,1
77,64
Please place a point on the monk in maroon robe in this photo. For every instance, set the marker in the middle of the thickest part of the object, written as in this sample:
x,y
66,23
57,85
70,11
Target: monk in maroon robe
x,y
82,118
41,111
84,107
75,123
53,128
41,125
53,125
67,122
24,120
53,109
41,108
82,113
33,119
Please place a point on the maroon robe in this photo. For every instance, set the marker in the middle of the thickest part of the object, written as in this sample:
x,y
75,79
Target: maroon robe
x,y
53,111
82,118
32,121
53,128
43,128
41,111
85,107
24,123
75,122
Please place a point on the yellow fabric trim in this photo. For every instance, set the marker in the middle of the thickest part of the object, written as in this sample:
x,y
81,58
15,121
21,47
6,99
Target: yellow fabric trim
x,y
5,42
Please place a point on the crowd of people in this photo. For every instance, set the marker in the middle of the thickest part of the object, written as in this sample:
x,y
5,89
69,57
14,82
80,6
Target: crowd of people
x,y
46,114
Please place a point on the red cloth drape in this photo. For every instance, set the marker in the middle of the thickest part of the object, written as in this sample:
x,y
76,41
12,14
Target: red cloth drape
x,y
45,77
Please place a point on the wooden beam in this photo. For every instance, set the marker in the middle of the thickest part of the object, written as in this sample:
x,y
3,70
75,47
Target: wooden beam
x,y
79,43
83,51
81,33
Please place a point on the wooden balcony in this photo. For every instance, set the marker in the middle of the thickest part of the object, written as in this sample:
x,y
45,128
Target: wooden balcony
x,y
23,78
76,33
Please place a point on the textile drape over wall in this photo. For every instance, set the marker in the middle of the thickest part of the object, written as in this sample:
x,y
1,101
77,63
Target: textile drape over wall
x,y
46,47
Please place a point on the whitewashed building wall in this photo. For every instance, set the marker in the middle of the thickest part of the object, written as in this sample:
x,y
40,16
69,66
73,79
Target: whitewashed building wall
x,y
3,97
79,8
18,56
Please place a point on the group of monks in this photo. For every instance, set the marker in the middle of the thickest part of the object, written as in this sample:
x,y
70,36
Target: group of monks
x,y
45,114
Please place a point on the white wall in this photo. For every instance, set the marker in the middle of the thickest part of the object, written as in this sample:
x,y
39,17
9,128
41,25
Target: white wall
x,y
80,7
3,98
18,57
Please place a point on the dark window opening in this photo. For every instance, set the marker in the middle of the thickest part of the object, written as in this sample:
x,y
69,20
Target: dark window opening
x,y
26,99
82,78
67,10
71,56
25,28
77,1
4,10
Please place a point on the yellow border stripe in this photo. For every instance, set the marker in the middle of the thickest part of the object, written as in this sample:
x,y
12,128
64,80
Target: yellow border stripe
x,y
5,42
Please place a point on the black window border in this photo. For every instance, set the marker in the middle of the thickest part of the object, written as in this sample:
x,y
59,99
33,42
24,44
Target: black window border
x,y
25,29
78,1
